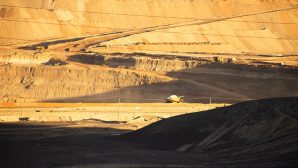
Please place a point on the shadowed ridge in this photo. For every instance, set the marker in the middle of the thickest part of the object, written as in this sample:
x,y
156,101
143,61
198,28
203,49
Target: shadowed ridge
x,y
261,128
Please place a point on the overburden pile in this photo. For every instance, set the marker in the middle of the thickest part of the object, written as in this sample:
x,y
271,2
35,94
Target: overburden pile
x,y
265,128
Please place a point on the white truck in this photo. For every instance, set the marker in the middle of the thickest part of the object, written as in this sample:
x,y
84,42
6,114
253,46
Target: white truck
x,y
174,99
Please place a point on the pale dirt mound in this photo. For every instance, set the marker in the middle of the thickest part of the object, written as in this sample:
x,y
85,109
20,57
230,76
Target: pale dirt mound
x,y
261,129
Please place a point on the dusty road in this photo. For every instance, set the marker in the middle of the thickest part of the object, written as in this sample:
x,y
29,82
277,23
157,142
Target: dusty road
x,y
139,114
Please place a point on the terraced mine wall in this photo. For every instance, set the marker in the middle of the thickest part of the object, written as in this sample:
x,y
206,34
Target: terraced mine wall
x,y
21,83
37,20
138,78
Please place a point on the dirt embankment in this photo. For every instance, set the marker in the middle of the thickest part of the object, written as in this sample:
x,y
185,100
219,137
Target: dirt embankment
x,y
48,82
261,129
141,61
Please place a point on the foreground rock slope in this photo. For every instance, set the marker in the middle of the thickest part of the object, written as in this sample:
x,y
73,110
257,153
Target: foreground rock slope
x,y
262,129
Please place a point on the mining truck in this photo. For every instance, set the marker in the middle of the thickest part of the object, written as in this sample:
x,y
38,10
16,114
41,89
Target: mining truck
x,y
174,99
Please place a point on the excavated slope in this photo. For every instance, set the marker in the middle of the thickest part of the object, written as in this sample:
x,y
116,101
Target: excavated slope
x,y
22,83
35,20
70,33
265,128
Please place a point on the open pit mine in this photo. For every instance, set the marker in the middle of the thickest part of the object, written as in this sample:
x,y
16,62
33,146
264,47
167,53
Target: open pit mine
x,y
148,83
